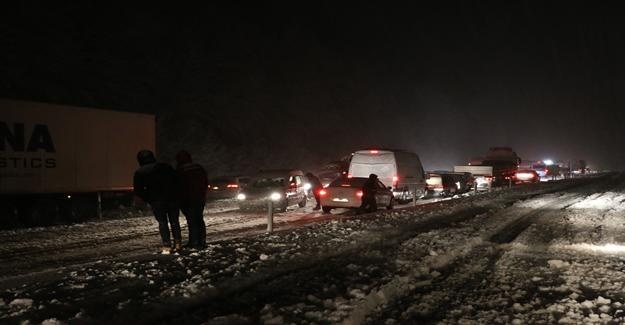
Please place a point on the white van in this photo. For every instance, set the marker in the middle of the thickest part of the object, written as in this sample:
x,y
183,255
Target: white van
x,y
400,170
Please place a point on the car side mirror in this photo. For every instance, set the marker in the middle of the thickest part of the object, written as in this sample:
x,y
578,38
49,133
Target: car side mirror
x,y
390,188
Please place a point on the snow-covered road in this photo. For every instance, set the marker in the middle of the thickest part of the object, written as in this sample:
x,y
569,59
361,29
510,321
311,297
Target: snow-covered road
x,y
542,253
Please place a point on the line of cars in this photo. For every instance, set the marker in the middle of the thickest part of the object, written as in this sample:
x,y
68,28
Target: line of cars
x,y
401,178
400,173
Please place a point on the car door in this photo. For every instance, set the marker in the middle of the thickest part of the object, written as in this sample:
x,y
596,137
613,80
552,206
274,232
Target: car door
x,y
291,191
300,191
383,195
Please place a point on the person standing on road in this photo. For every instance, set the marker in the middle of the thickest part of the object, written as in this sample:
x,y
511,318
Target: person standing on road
x,y
315,186
369,190
192,187
155,183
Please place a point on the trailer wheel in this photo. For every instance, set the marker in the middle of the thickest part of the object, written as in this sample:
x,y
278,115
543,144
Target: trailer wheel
x,y
10,213
45,212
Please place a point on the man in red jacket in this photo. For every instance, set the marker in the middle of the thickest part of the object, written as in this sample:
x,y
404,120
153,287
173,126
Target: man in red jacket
x,y
192,186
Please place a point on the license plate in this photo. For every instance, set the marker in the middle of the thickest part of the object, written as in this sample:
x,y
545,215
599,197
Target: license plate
x,y
339,200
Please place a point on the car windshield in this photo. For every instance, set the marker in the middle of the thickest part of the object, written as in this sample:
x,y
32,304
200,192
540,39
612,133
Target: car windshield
x,y
349,182
221,180
269,182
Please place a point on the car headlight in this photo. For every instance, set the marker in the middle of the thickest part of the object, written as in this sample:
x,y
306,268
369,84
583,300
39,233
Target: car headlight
x,y
241,197
275,196
307,186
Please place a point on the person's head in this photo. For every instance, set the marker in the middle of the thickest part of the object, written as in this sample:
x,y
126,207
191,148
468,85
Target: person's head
x,y
183,157
145,157
373,176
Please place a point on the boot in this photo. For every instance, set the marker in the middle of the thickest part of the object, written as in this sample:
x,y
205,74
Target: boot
x,y
177,246
165,250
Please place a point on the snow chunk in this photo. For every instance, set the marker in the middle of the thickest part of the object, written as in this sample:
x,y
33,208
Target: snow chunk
x,y
558,264
588,304
278,320
51,321
22,302
357,293
263,257
603,301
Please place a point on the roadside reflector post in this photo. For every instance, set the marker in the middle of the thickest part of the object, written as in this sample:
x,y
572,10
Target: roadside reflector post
x,y
269,215
414,196
99,205
509,182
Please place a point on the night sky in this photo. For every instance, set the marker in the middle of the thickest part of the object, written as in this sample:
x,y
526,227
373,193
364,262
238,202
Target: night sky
x,y
276,85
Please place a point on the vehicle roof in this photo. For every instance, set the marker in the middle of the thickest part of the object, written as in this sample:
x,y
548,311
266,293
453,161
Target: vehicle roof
x,y
381,150
279,173
225,178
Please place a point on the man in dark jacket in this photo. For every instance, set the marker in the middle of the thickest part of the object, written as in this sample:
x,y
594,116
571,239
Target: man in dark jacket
x,y
155,183
369,190
315,186
192,186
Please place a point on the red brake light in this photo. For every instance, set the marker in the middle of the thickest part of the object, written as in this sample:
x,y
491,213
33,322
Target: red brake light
x,y
374,151
232,186
359,194
322,192
395,180
350,175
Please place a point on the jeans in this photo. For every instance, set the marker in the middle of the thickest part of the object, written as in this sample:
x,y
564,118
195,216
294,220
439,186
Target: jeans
x,y
194,213
167,213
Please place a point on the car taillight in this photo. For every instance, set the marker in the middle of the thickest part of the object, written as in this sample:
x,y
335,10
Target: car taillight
x,y
395,180
232,186
322,192
350,175
374,151
359,194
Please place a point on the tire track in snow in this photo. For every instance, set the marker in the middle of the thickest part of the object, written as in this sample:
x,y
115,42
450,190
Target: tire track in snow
x,y
485,253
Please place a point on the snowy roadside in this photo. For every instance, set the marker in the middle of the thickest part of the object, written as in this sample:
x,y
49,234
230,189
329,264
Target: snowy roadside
x,y
137,290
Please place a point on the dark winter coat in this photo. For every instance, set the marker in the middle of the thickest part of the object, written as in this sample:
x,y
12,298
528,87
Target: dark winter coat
x,y
315,183
370,188
155,182
192,183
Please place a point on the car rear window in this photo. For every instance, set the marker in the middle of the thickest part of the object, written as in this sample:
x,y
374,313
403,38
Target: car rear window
x,y
221,180
349,182
269,182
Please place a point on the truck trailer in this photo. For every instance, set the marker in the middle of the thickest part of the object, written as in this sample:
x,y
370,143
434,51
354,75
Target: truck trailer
x,y
57,162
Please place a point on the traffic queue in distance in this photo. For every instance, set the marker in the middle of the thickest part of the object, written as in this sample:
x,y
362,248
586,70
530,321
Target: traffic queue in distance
x,y
400,178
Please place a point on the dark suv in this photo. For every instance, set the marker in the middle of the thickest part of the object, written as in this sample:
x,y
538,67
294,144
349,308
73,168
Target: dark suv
x,y
284,187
